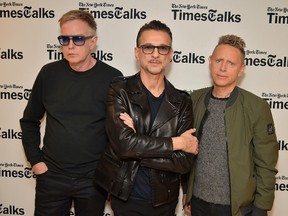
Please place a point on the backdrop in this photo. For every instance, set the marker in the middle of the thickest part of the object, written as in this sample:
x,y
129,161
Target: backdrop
x,y
29,30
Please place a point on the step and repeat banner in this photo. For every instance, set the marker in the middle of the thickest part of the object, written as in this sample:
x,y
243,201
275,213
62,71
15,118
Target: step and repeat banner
x,y
28,40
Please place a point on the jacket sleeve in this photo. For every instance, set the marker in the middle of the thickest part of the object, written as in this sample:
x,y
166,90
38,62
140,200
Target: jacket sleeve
x,y
126,144
157,152
180,162
265,157
30,124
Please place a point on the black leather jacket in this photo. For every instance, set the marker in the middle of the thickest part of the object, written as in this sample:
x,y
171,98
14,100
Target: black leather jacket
x,y
150,146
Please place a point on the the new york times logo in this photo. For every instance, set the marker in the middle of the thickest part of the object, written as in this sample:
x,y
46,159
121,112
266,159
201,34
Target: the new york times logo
x,y
211,15
27,12
274,16
6,94
11,210
95,4
10,54
55,54
10,4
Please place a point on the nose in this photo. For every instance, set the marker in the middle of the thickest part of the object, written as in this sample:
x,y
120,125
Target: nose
x,y
223,66
155,52
71,43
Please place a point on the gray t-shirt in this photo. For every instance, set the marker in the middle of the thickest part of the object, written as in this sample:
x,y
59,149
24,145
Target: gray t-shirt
x,y
212,182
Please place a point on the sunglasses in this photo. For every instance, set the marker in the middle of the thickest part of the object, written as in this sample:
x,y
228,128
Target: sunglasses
x,y
78,40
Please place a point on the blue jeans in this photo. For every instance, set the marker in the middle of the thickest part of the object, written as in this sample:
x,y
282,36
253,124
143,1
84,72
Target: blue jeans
x,y
56,192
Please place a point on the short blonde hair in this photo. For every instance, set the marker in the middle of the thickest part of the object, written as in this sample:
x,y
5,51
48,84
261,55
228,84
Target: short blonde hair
x,y
79,15
234,41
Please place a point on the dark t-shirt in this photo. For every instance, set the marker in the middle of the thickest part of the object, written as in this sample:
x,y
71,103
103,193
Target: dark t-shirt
x,y
142,188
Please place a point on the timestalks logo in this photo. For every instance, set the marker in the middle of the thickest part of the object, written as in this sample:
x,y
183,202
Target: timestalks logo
x,y
270,61
283,146
11,210
10,134
10,54
119,13
6,95
281,187
28,12
274,18
211,16
277,104
190,58
10,173
54,54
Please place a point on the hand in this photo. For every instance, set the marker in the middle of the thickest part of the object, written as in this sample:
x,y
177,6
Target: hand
x,y
40,168
190,141
127,120
186,207
186,142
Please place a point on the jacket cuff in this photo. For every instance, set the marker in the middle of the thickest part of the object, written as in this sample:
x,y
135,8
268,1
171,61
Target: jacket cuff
x,y
35,160
258,212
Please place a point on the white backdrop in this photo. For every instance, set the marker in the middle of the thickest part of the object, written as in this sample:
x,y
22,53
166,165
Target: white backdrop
x,y
29,30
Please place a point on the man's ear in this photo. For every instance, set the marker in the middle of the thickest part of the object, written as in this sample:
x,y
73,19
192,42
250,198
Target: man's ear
x,y
242,69
93,42
136,53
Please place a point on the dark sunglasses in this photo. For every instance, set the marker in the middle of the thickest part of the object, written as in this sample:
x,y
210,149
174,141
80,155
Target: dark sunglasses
x,y
78,40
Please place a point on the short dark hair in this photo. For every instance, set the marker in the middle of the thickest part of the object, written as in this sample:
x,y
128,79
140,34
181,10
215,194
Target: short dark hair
x,y
153,25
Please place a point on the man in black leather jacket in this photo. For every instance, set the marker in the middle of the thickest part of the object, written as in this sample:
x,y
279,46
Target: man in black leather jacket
x,y
143,164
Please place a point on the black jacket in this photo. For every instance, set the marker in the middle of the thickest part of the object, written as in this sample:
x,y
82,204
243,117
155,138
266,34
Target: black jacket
x,y
150,146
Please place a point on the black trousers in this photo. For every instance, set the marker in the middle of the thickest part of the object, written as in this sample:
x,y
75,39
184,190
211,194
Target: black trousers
x,y
141,208
201,208
55,194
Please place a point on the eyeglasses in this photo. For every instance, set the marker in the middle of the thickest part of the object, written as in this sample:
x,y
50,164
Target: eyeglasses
x,y
78,40
149,49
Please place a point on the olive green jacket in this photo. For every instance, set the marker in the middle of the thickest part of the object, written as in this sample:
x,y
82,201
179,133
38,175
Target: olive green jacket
x,y
252,147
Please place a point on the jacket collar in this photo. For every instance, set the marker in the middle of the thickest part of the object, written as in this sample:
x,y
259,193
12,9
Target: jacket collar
x,y
168,108
232,98
135,87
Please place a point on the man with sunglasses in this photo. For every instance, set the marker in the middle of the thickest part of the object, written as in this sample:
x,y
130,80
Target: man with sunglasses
x,y
148,152
72,93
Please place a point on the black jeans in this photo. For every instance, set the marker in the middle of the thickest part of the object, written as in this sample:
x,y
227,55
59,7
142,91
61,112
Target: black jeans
x,y
201,208
141,208
55,194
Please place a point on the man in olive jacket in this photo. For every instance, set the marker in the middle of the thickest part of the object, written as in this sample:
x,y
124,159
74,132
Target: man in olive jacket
x,y
234,174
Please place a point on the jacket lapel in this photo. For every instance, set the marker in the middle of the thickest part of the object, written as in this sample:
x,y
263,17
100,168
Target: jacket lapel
x,y
169,107
139,97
